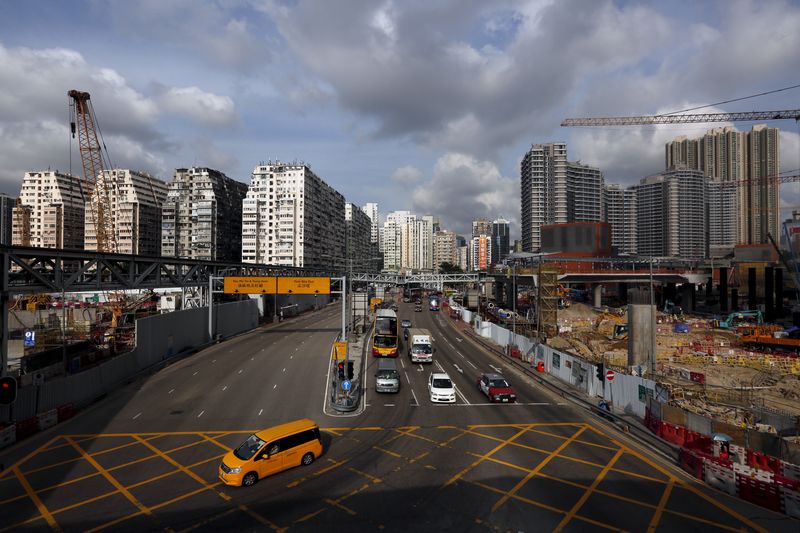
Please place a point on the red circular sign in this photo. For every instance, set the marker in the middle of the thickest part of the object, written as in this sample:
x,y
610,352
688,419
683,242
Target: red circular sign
x,y
610,375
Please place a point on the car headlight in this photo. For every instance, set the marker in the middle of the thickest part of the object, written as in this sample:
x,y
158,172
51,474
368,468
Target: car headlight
x,y
236,470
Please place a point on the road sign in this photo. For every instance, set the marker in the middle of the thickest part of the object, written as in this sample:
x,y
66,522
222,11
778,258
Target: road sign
x,y
249,285
292,285
346,385
339,351
30,339
610,375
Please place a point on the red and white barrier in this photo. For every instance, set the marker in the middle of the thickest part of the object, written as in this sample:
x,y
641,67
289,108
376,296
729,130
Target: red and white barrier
x,y
791,502
47,419
720,477
8,436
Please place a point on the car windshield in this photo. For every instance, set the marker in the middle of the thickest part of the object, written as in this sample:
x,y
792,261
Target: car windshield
x,y
498,383
385,342
441,383
421,348
406,323
387,374
248,448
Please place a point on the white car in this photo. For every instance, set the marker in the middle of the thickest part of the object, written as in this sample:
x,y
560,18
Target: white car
x,y
441,388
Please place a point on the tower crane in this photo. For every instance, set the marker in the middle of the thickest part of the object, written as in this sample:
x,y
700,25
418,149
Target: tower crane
x,y
94,159
684,118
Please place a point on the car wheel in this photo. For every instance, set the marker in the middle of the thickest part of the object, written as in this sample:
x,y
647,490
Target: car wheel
x,y
307,459
249,479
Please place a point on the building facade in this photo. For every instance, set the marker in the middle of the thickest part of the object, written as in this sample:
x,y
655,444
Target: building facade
x,y
201,217
358,236
51,210
584,193
480,227
619,208
501,229
480,253
543,177
291,217
721,217
371,209
7,204
444,248
135,199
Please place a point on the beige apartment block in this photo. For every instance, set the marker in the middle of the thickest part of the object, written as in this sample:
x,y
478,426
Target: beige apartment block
x,y
51,210
135,199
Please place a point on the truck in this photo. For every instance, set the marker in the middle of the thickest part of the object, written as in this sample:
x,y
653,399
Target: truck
x,y
420,345
472,299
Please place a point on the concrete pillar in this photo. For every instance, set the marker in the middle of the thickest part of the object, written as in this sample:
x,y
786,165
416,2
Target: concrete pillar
x,y
734,299
510,294
769,294
597,295
723,289
752,303
641,324
687,297
779,311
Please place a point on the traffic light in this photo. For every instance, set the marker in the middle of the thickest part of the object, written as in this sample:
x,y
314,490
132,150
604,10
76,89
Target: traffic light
x,y
8,390
340,367
601,372
350,369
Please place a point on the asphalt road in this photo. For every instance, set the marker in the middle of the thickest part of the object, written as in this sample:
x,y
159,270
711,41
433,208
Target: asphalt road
x,y
146,457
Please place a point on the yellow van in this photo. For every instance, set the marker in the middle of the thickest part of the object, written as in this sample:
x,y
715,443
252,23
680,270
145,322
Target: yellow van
x,y
270,451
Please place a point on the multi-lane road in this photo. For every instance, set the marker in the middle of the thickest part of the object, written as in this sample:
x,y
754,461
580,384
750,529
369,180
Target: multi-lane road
x,y
146,457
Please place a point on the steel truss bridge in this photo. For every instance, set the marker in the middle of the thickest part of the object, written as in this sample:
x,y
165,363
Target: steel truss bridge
x,y
428,280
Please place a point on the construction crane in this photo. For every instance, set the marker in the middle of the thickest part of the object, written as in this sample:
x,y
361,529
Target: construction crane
x,y
684,118
94,159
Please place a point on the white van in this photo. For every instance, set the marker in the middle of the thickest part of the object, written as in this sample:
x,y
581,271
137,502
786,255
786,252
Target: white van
x,y
420,345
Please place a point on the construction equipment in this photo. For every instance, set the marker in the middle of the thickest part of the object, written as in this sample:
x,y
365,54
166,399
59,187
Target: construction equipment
x,y
767,337
684,118
94,159
673,310
739,317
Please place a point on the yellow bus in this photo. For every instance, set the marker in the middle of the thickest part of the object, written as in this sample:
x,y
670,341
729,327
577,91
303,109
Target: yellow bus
x,y
384,339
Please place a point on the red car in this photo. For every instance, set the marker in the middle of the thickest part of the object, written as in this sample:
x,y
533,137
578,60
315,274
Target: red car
x,y
496,388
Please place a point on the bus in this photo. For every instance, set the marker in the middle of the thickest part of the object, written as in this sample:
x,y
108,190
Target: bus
x,y
384,340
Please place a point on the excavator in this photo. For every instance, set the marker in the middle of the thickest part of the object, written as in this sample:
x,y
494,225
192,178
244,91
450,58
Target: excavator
x,y
739,317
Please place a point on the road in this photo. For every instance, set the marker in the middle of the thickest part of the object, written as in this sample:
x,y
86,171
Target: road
x,y
146,457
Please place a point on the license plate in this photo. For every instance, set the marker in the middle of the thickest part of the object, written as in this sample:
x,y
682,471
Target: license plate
x,y
505,399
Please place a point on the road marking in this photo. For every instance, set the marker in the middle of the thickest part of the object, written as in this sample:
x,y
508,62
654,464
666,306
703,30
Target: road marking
x,y
252,359
171,391
463,398
402,363
260,411
485,456
416,403
224,388
470,364
458,339
388,405
420,369
213,360
275,386
137,416
201,414
457,368
291,357
407,378
569,516
461,354
284,370
195,373
498,370
240,371
36,500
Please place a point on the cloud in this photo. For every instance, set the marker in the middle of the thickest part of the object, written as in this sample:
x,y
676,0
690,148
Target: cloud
x,y
464,188
201,106
407,175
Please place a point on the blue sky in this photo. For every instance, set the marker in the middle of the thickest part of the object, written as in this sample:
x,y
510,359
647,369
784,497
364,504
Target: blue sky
x,y
426,106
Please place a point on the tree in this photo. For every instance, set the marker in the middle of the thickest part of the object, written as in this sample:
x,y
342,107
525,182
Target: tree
x,y
449,268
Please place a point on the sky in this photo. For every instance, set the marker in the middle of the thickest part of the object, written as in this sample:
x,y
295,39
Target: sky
x,y
419,105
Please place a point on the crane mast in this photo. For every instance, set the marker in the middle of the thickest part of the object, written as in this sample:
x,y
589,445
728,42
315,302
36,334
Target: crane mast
x,y
83,121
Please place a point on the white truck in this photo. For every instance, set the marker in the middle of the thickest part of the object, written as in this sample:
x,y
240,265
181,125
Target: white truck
x,y
420,345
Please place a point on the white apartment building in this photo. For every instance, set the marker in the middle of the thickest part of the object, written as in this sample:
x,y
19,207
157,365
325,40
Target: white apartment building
x,y
135,200
291,217
358,245
51,210
671,215
721,217
444,248
584,193
619,208
423,243
543,174
201,218
480,252
396,255
371,209
463,258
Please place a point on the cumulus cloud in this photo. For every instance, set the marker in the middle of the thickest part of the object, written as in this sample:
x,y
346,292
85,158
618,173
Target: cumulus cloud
x,y
464,188
407,175
202,106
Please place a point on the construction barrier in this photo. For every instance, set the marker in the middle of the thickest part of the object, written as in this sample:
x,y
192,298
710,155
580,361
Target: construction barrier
x,y
791,471
720,477
791,502
760,492
47,419
691,463
27,427
8,436
66,411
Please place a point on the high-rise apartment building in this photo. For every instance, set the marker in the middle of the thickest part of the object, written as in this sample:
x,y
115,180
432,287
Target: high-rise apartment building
x,y
371,209
463,258
728,155
721,217
291,217
423,243
543,176
444,248
6,217
501,243
584,193
619,208
201,218
358,231
135,199
394,251
480,227
51,210
480,252
671,215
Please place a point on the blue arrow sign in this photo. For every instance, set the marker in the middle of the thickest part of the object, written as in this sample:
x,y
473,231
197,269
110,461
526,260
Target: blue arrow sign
x,y
346,385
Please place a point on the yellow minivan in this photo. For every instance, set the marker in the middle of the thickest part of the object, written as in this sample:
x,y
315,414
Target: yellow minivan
x,y
270,451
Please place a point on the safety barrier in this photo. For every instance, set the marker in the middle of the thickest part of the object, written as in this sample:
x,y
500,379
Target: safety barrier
x,y
47,419
791,502
27,427
8,436
66,412
791,471
720,477
760,492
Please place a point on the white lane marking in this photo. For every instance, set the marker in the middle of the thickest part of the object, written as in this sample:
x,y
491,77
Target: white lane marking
x,y
195,372
416,403
252,359
496,404
224,388
275,386
137,416
240,371
470,364
262,349
388,405
457,368
284,370
291,357
461,354
463,398
498,370
260,411
458,339
420,369
201,414
171,391
407,378
213,360
402,363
